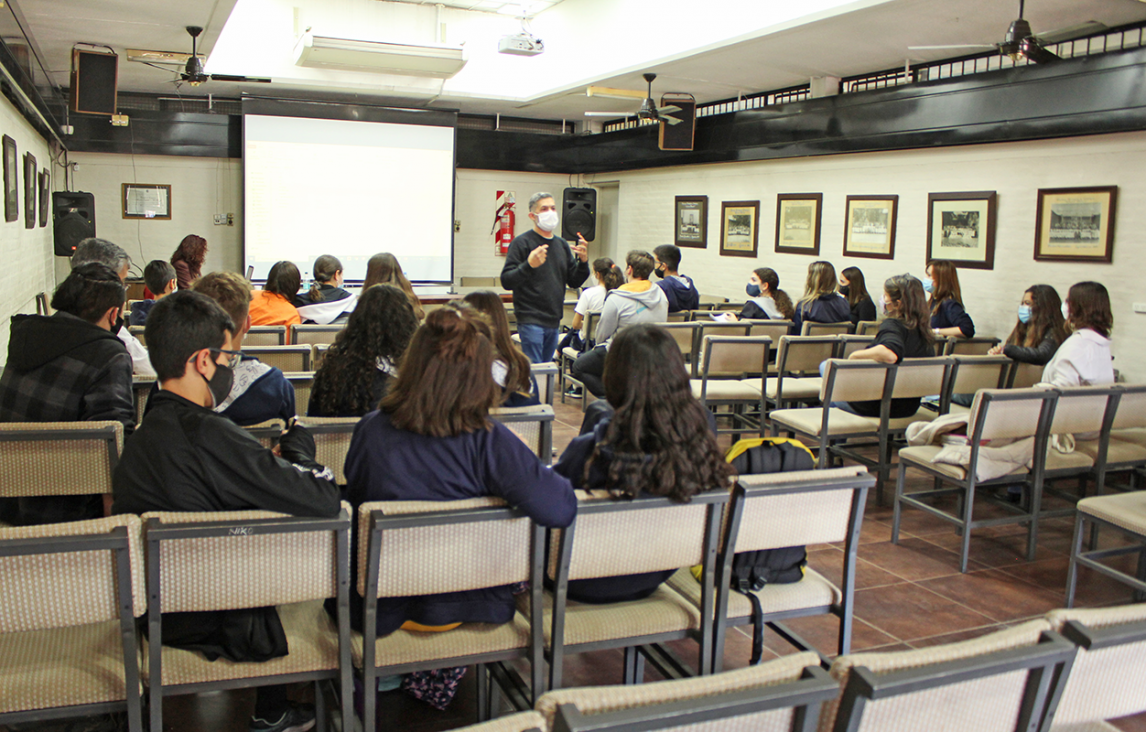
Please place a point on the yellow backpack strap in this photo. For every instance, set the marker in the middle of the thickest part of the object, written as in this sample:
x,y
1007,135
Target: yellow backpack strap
x,y
743,446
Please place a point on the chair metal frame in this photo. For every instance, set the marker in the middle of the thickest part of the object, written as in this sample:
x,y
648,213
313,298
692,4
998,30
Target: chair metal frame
x,y
787,343
740,422
118,542
1091,557
157,533
1089,639
565,362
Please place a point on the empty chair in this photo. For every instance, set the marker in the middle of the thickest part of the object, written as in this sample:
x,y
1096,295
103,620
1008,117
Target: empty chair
x,y
810,328
849,344
534,425
303,382
711,300
141,387
545,374
308,335
680,316
712,328
68,645
1025,375
266,335
1123,512
969,374
734,367
1126,448
774,329
566,356
284,358
798,369
867,327
685,336
332,441
956,346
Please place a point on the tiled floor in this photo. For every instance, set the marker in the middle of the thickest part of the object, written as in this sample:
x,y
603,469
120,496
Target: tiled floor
x,y
909,595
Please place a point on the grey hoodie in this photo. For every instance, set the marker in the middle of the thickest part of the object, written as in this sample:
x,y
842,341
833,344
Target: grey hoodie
x,y
624,308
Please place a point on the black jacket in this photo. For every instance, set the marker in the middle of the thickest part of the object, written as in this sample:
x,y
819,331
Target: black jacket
x,y
539,292
1039,355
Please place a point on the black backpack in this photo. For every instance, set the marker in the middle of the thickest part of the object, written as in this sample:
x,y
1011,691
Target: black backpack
x,y
751,571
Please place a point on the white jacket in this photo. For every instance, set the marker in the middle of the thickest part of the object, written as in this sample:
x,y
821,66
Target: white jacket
x,y
1083,359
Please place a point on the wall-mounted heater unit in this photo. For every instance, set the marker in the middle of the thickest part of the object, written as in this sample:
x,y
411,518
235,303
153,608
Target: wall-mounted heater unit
x,y
440,62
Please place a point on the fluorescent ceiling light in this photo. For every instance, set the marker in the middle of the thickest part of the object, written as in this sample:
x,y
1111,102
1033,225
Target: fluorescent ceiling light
x,y
440,62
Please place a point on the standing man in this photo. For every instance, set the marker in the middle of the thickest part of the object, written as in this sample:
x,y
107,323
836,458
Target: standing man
x,y
538,268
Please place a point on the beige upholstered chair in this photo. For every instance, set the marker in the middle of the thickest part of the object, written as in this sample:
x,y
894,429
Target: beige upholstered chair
x,y
798,369
1000,682
1084,412
774,329
1124,512
731,375
546,375
956,346
267,433
266,335
284,358
685,336
1108,678
867,327
781,695
58,458
141,387
303,382
1025,375
995,414
782,510
566,356
568,310
415,548
849,344
138,332
1126,448
711,300
611,538
245,559
68,645
969,374
680,316
332,441
726,304
810,328
309,335
521,722
534,425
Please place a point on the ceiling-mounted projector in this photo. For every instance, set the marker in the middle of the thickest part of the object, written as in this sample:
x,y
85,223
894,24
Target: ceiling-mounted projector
x,y
521,44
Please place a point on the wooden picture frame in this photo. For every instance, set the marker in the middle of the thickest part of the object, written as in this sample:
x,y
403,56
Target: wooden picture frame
x,y
691,222
798,217
31,191
11,181
961,228
739,228
1076,224
146,201
869,226
45,195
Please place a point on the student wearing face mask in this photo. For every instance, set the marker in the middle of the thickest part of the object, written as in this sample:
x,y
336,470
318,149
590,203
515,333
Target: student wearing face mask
x,y
766,301
854,289
1084,358
1039,330
539,266
948,318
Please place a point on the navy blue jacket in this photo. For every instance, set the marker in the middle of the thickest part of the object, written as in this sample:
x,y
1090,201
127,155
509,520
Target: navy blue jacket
x,y
681,293
952,315
830,308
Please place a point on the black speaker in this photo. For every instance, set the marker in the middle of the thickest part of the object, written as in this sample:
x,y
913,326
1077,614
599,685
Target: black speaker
x,y
579,214
94,79
678,136
73,220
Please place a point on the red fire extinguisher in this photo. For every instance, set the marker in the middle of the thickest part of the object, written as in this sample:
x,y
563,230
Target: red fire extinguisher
x,y
504,221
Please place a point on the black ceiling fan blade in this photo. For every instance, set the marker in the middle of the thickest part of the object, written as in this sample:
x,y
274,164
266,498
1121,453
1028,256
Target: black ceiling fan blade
x,y
1061,35
1036,53
229,77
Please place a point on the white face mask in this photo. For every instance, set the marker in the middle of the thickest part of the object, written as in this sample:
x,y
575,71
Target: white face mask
x,y
547,220
1065,312
883,304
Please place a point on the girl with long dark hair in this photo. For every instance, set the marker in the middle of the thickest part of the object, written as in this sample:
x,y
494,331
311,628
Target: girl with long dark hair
x,y
1084,358
766,301
274,304
383,269
188,260
1039,330
510,368
948,317
854,289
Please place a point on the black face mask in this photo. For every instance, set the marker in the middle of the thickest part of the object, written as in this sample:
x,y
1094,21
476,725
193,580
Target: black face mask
x,y
844,290
220,384
117,327
660,272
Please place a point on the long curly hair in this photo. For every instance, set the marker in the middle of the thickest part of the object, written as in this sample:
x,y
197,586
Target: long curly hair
x,y
491,306
383,269
659,435
380,327
193,251
1046,317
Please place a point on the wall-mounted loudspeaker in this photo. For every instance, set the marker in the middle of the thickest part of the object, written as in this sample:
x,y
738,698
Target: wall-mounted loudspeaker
x,y
73,220
94,79
678,136
579,214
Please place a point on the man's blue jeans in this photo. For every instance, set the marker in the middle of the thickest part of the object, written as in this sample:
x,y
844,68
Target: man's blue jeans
x,y
537,342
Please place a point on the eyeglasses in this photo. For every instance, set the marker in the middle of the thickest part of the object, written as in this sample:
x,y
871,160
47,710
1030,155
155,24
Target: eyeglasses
x,y
234,356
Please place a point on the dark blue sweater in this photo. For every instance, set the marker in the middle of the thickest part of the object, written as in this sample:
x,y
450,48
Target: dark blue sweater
x,y
681,293
952,315
830,308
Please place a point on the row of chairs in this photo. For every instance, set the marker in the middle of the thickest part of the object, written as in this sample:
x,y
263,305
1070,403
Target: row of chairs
x,y
276,335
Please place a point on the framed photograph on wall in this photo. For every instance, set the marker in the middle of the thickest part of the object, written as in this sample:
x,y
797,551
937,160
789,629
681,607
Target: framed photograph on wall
x,y
692,221
739,228
798,223
869,226
1075,224
146,201
11,181
961,228
31,190
45,196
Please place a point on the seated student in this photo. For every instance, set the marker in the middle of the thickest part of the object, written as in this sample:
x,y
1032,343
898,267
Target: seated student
x,y
188,260
658,441
510,366
383,269
325,302
948,318
274,304
186,457
1084,358
904,333
766,300
1039,330
638,301
68,368
358,368
609,277
680,290
822,302
853,287
159,276
111,255
432,440
259,392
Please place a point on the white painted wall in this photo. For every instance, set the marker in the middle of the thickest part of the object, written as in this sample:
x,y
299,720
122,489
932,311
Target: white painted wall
x,y
1015,170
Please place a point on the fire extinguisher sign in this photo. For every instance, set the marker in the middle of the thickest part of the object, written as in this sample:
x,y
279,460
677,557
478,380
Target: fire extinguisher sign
x,y
503,222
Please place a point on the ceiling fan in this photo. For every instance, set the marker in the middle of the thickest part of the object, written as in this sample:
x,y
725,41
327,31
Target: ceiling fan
x,y
1020,41
192,64
648,109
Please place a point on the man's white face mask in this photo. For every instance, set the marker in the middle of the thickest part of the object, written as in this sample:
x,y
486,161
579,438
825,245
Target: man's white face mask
x,y
547,220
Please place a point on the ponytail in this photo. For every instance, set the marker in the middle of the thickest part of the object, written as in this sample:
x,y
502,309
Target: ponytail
x,y
325,267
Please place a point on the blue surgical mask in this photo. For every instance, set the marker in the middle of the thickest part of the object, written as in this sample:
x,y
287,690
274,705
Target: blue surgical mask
x,y
928,284
752,289
1024,313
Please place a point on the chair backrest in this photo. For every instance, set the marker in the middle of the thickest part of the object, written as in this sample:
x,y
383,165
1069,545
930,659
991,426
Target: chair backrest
x,y
140,392
592,318
529,721
867,327
317,352
996,683
854,381
303,382
1081,409
727,305
43,304
804,354
138,332
811,328
267,433
680,316
58,575
534,425
1105,681
711,300
1131,407
969,374
774,329
735,357
849,344
266,335
131,305
545,374
568,310
685,336
332,441
957,346
769,697
1025,375
920,377
58,458
480,282
308,335
1008,413
284,358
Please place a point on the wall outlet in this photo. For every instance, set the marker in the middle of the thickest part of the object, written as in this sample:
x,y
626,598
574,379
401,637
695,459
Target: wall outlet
x,y
457,225
230,219
220,219
1140,307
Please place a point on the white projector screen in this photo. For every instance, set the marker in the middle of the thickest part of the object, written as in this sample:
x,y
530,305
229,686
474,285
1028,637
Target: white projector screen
x,y
351,189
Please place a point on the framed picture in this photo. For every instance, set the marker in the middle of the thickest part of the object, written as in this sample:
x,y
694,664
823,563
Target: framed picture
x,y
45,196
31,191
1075,224
798,223
11,181
739,228
692,221
961,228
146,201
869,227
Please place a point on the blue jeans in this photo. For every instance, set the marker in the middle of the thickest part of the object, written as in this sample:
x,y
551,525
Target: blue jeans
x,y
537,342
